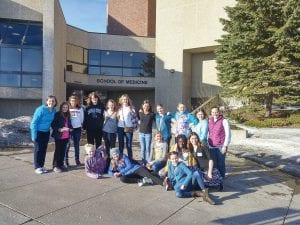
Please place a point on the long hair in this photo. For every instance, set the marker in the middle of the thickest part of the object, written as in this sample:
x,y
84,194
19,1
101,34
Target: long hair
x,y
204,113
184,141
129,100
190,145
76,100
113,102
146,102
89,98
64,114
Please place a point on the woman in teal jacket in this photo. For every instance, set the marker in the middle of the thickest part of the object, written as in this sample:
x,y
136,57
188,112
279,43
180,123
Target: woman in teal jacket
x,y
40,132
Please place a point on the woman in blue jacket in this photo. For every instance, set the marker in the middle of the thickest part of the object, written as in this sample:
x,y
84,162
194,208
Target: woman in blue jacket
x,y
40,132
128,172
181,178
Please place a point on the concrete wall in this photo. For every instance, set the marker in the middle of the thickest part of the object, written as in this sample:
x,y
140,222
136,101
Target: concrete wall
x,y
54,50
17,107
189,25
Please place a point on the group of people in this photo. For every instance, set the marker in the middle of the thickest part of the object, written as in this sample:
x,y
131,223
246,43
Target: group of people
x,y
195,162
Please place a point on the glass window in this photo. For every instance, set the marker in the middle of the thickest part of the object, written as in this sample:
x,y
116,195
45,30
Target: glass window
x,y
9,80
132,72
111,58
10,59
94,57
133,59
148,65
111,71
34,35
31,80
94,70
32,60
14,33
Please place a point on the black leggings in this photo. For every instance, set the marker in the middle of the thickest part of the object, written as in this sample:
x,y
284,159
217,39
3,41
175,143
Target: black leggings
x,y
139,174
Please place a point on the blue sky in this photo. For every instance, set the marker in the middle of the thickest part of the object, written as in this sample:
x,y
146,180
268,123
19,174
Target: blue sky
x,y
89,15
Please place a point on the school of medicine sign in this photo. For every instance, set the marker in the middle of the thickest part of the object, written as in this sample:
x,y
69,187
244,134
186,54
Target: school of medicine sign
x,y
109,81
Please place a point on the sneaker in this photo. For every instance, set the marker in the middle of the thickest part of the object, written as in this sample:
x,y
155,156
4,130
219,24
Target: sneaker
x,y
57,170
39,170
141,183
147,180
167,184
44,170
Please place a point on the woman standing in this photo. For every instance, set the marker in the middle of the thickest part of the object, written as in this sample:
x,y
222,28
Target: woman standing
x,y
126,124
40,132
147,117
110,127
62,127
93,119
77,118
201,128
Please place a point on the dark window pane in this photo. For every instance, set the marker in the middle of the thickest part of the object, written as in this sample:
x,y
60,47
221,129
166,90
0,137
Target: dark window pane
x,y
31,80
10,59
132,72
3,28
93,70
32,60
148,65
111,58
34,35
9,80
133,59
111,71
94,57
14,33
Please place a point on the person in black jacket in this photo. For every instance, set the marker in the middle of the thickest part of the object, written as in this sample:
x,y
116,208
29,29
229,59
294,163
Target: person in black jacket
x,y
62,127
94,119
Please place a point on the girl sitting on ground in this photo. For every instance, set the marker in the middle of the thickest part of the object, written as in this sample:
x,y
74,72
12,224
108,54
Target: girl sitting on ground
x,y
128,172
95,162
158,154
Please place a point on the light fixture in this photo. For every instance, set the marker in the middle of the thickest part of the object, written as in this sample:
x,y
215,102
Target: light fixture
x,y
171,70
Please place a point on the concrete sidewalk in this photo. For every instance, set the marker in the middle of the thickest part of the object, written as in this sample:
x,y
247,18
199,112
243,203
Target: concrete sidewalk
x,y
252,195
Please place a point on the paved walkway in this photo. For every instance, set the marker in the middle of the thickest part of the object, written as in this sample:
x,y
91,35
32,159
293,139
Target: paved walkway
x,y
252,195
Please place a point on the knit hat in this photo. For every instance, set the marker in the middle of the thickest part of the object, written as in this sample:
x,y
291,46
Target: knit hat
x,y
114,151
89,147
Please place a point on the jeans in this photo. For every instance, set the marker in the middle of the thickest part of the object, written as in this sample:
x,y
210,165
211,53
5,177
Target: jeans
x,y
128,137
219,159
183,193
197,180
158,165
110,141
145,142
59,153
75,135
40,148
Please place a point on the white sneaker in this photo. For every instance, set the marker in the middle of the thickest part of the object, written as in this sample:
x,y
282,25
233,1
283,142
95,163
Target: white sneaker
x,y
39,170
57,170
141,183
44,170
147,180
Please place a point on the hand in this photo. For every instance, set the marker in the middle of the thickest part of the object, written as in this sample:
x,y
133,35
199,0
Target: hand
x,y
224,150
182,187
117,174
209,175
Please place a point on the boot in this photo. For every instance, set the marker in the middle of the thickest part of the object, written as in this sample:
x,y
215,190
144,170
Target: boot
x,y
206,197
197,194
